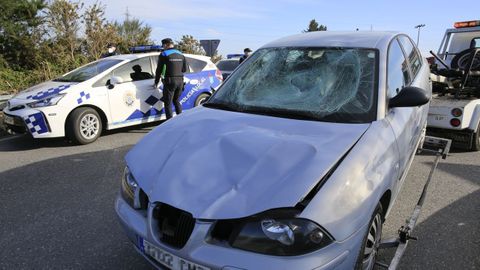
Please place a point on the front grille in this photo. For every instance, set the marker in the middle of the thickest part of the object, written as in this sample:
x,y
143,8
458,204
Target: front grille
x,y
174,225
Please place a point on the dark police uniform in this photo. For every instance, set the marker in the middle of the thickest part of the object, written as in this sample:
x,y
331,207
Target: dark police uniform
x,y
172,65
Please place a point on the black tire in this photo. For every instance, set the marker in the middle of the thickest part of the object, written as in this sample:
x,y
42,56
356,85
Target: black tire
x,y
460,60
202,98
476,140
365,261
84,125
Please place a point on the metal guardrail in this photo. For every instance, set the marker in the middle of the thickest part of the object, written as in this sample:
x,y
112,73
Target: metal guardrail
x,y
3,100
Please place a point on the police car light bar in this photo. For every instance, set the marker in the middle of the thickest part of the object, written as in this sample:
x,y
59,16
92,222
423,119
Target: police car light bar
x,y
235,55
145,48
466,24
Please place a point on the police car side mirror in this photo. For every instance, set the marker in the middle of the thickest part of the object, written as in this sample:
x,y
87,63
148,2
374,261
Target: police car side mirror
x,y
114,80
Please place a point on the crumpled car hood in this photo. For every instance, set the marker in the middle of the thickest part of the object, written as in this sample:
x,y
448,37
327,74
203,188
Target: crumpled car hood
x,y
218,164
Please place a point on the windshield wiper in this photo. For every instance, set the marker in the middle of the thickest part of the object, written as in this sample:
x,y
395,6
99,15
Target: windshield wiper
x,y
221,106
60,80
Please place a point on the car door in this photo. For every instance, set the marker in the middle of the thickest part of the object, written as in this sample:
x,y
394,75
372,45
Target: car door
x,y
133,99
403,121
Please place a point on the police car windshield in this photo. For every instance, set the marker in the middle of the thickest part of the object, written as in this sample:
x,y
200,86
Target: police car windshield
x,y
89,71
324,84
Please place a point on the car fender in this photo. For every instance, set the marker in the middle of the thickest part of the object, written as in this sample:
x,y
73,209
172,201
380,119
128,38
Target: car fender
x,y
348,198
474,121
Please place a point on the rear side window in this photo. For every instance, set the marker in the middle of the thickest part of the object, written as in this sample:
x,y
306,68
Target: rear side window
x,y
398,75
195,64
137,70
412,54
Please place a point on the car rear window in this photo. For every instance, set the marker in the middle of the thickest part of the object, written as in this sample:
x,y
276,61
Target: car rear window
x,y
195,64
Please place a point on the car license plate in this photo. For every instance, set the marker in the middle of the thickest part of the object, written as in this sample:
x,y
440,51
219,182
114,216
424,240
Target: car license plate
x,y
9,120
439,117
169,260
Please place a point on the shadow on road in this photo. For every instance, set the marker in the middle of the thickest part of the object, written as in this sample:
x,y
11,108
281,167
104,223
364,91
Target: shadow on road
x,y
464,171
26,142
449,239
59,214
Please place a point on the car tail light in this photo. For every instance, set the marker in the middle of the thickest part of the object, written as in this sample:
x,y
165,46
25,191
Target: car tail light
x,y
457,112
218,74
466,24
455,122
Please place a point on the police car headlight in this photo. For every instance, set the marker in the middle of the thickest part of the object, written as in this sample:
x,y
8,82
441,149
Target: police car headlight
x,y
50,101
131,192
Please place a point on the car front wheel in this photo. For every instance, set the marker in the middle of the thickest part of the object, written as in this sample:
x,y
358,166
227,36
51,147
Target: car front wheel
x,y
84,125
368,253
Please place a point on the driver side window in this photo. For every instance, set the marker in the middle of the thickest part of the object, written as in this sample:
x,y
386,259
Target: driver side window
x,y
398,75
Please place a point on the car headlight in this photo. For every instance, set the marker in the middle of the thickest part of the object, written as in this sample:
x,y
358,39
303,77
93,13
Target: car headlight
x,y
50,101
131,192
273,233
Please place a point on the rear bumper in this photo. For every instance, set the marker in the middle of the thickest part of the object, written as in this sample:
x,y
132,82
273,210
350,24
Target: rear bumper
x,y
460,138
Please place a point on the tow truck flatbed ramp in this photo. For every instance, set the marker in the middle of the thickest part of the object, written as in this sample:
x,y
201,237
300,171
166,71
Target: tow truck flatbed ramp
x,y
439,148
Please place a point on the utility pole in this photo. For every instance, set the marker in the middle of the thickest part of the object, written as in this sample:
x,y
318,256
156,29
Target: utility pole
x,y
127,15
418,34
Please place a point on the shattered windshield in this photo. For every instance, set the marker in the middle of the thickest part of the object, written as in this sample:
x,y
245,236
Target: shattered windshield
x,y
325,84
89,71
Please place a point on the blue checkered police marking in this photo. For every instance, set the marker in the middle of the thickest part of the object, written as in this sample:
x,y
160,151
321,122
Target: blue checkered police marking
x,y
49,92
36,123
83,97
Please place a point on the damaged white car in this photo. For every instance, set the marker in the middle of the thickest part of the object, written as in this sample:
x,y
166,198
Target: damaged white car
x,y
293,163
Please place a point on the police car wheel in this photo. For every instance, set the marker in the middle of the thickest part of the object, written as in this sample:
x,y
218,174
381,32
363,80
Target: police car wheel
x,y
84,126
202,98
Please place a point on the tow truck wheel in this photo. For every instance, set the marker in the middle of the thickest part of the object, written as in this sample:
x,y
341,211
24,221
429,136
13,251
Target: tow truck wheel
x,y
476,140
84,125
202,98
368,253
462,59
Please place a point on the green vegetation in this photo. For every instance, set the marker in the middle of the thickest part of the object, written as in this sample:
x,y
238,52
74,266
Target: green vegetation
x,y
314,26
41,40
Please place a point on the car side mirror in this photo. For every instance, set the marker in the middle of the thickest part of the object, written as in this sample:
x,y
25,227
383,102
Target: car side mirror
x,y
409,96
114,80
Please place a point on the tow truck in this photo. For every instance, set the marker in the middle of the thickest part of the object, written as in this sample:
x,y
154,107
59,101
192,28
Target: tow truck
x,y
455,107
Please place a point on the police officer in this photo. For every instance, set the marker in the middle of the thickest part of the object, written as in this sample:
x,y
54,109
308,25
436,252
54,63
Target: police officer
x,y
111,51
170,68
246,54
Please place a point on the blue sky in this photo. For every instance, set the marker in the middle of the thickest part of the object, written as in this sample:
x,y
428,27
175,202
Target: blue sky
x,y
239,24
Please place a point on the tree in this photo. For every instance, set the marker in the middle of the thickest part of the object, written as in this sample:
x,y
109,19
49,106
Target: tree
x,y
20,32
132,32
63,19
98,32
314,26
188,44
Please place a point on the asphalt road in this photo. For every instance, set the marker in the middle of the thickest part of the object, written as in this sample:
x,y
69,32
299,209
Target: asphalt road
x,y
56,207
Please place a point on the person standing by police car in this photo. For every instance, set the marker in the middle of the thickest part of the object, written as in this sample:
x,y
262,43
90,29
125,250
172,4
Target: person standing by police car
x,y
171,67
246,54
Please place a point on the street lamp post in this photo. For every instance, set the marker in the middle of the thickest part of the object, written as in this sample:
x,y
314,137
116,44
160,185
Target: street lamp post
x,y
418,34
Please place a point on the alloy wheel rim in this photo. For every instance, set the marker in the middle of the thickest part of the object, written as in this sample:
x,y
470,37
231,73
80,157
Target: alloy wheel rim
x,y
201,101
89,126
372,243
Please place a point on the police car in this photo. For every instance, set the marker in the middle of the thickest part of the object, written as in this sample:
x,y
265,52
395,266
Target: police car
x,y
110,93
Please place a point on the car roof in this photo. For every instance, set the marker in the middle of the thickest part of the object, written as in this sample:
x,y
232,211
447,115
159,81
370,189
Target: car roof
x,y
353,39
139,55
